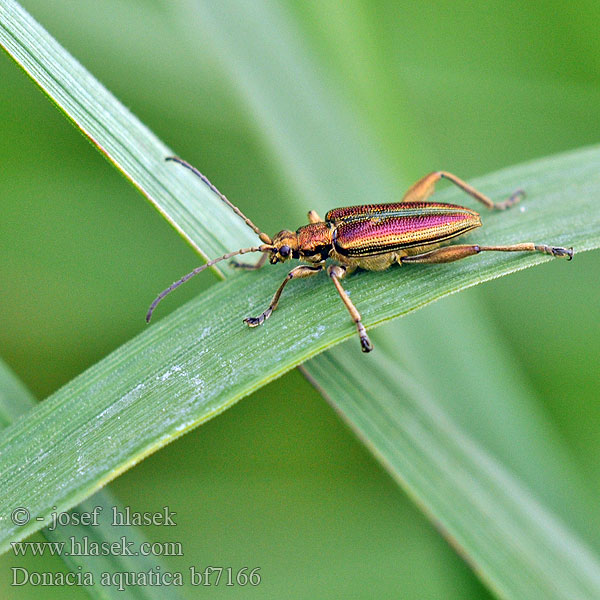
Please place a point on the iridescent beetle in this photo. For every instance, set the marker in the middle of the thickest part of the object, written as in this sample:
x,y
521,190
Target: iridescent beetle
x,y
372,237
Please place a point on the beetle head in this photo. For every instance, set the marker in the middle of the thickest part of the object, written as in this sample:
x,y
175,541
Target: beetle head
x,y
285,246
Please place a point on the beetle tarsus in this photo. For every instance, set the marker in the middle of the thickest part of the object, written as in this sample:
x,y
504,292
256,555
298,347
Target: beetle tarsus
x,y
556,251
365,344
568,252
256,321
241,265
249,266
515,197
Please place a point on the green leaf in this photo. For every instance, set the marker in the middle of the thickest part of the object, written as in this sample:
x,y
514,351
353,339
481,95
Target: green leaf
x,y
451,348
15,401
119,135
198,361
86,538
517,546
15,398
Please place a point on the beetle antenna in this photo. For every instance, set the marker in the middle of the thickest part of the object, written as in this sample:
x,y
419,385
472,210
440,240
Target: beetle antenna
x,y
263,236
197,270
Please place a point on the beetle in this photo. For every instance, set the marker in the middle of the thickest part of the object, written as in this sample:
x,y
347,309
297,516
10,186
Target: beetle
x,y
370,237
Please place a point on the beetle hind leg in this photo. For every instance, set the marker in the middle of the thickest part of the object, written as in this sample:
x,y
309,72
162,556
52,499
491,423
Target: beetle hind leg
x,y
451,253
336,273
426,186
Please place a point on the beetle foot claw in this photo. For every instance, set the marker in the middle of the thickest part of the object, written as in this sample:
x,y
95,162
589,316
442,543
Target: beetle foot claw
x,y
568,252
256,321
515,197
556,251
365,343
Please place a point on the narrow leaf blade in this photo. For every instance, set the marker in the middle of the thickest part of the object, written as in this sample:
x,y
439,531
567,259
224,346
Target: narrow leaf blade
x,y
121,400
516,545
16,401
130,404
120,136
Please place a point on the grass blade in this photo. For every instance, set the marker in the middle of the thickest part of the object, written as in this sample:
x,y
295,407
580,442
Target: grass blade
x,y
541,458
15,401
515,544
119,135
116,413
131,403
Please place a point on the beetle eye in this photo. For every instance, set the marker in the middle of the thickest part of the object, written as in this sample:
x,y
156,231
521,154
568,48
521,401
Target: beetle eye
x,y
285,251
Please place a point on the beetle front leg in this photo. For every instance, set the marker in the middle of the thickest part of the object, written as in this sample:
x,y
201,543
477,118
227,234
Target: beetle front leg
x,y
426,186
451,253
336,273
250,267
297,272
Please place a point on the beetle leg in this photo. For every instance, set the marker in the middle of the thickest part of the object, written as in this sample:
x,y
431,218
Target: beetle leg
x,y
297,272
452,253
313,217
250,267
426,186
337,272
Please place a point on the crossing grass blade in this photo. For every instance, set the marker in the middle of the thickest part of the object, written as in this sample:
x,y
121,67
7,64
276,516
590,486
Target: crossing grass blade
x,y
126,142
16,401
518,547
198,361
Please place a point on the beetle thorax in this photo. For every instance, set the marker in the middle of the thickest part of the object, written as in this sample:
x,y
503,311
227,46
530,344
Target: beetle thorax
x,y
311,243
314,242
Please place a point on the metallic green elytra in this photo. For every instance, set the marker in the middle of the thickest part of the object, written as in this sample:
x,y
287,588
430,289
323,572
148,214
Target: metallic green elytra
x,y
371,237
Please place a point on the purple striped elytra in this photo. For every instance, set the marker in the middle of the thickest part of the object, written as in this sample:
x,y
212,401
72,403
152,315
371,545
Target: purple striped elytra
x,y
380,228
371,237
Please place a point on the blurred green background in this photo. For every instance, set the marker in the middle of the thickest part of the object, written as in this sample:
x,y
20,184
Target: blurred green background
x,y
278,481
